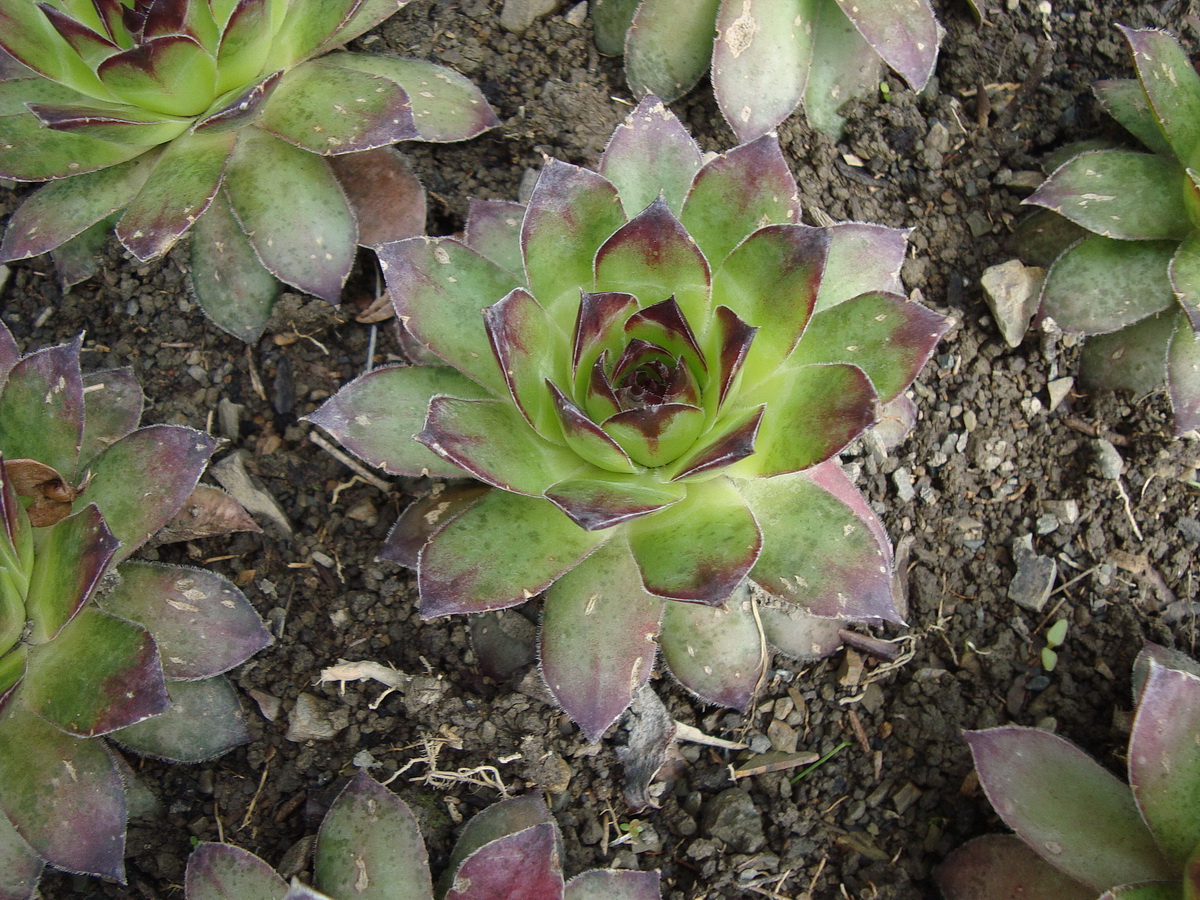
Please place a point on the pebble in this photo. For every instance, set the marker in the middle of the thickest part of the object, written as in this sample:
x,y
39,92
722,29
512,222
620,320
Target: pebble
x,y
1058,389
314,719
1012,291
1063,510
577,14
733,819
518,15
1107,463
1030,587
904,484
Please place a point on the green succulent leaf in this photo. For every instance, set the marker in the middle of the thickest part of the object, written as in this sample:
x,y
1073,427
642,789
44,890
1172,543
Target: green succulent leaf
x,y
1101,284
600,501
177,192
699,549
1184,272
100,673
1003,865
370,847
1150,890
716,652
651,154
41,408
440,288
598,635
18,91
28,35
238,108
1125,101
797,633
668,46
905,35
32,152
493,230
70,558
730,341
612,19
493,823
366,16
204,720
115,123
761,62
613,884
502,551
844,66
731,438
20,867
1183,377
377,416
1132,358
172,75
9,353
861,258
1119,194
294,213
1172,87
202,624
306,26
226,872
424,516
232,286
245,39
656,435
63,795
531,349
1066,806
523,864
586,438
112,407
387,199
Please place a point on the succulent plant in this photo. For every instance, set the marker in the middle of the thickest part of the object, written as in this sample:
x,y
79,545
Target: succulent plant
x,y
92,644
653,367
1080,832
769,56
1128,275
369,848
230,118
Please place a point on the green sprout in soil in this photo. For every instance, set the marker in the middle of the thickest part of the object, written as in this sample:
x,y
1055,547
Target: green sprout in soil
x,y
1055,636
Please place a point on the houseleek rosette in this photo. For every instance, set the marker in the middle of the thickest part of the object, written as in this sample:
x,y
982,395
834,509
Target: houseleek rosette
x,y
652,366
230,118
94,645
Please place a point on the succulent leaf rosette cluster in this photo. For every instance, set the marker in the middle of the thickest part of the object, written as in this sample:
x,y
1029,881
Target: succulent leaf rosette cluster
x,y
652,366
369,847
229,118
767,57
1080,832
1129,274
92,644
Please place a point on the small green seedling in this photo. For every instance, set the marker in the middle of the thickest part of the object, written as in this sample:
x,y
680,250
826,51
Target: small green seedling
x,y
1055,635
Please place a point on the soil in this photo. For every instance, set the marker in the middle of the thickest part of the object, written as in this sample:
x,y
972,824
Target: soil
x,y
987,464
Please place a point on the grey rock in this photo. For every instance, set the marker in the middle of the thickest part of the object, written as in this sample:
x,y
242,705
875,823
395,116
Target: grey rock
x,y
577,14
1012,290
1189,528
314,719
1058,390
733,819
518,15
1107,462
1064,510
1031,586
904,484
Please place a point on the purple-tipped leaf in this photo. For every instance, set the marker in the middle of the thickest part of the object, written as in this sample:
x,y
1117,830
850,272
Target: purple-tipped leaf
x,y
91,46
1125,101
116,124
207,512
235,110
728,441
172,75
761,61
204,720
883,334
142,480
305,27
613,884
369,847
424,516
294,213
37,153
906,35
1183,377
9,352
663,324
699,549
525,865
654,258
494,229
440,288
63,795
597,642
71,558
716,652
1002,867
861,258
1101,284
651,154
245,40
29,37
586,438
668,46
225,872
179,190
112,405
377,416
387,199
501,552
530,349
203,625
599,501
41,408
1119,194
20,867
494,822
1172,87
1133,358
818,551
658,434
366,16
1185,278
1074,813
599,327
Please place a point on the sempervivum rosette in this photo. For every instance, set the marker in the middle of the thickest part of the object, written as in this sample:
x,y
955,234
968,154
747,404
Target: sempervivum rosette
x,y
665,365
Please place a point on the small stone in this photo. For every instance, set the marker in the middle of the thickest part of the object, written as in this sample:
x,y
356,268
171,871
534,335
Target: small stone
x,y
229,418
1063,510
322,559
904,485
783,736
732,818
1189,528
268,704
906,797
577,14
518,15
1012,290
1107,463
759,743
1047,523
314,719
363,511
1058,389
1031,586
978,223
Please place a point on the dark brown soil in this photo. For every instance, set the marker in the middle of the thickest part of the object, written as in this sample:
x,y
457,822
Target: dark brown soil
x,y
986,465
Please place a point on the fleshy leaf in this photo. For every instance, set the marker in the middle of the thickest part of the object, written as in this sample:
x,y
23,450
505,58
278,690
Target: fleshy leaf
x,y
494,822
883,334
226,872
440,288
1183,377
812,413
231,284
530,349
595,502
207,512
65,208
165,461
79,258
587,438
1147,890
63,795
654,258
613,884
599,327
598,635
41,408
906,35
1002,865
72,555
716,652
699,549
1133,358
1066,806
494,229
99,674
656,435
20,867
305,27
387,199
9,352
761,61
32,152
181,187
294,213
612,19
844,66
861,258
30,37
245,39
797,633
370,847
366,16
423,517
1185,278
327,109
1172,87
771,280
525,864
237,108
1101,284
112,405
668,45
1125,101
1119,194
728,441
117,124
203,625
204,720
571,213
730,341
502,551
377,417
819,552
171,74
651,154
